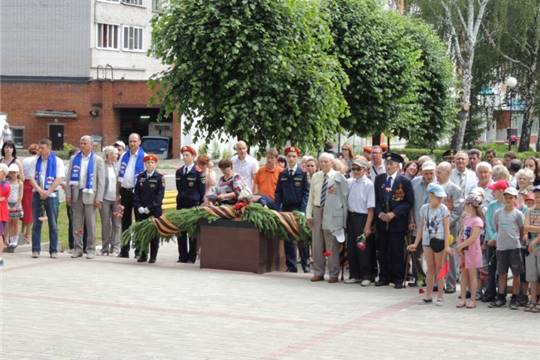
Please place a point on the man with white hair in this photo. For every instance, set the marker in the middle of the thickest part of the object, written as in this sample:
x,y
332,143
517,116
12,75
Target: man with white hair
x,y
326,213
462,176
85,194
244,164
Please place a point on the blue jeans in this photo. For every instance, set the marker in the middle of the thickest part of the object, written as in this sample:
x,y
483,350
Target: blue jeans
x,y
51,209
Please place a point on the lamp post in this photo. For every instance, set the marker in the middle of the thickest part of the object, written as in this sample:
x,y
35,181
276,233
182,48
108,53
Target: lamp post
x,y
511,83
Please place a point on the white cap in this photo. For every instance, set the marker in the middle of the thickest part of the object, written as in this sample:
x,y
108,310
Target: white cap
x,y
120,143
429,166
14,167
511,191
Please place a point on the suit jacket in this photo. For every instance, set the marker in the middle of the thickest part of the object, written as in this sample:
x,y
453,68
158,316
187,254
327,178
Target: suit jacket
x,y
335,207
292,191
98,186
400,201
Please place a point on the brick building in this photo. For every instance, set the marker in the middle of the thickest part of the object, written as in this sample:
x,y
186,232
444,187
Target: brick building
x,y
74,67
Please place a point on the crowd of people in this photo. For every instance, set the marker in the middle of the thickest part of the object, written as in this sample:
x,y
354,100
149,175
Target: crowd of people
x,y
468,219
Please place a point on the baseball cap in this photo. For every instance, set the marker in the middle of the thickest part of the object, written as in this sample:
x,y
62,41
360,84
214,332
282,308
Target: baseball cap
x,y
13,167
500,185
361,163
511,191
428,165
530,196
436,190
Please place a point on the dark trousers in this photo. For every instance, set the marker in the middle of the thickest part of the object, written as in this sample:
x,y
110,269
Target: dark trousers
x,y
359,261
184,253
127,218
491,286
290,248
154,243
390,254
417,271
71,239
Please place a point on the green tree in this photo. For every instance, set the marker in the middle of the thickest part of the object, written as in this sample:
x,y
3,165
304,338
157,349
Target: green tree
x,y
400,76
257,69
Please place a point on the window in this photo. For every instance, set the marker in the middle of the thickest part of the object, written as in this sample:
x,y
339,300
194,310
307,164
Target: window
x,y
18,137
157,5
107,36
133,2
133,38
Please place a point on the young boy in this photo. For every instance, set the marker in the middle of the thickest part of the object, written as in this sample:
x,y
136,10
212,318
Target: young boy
x,y
509,223
148,196
532,261
497,189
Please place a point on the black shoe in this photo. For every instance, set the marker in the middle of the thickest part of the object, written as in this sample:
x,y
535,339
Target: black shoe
x,y
306,269
449,290
522,300
513,305
292,270
123,255
499,302
142,258
487,298
399,285
382,283
412,284
151,261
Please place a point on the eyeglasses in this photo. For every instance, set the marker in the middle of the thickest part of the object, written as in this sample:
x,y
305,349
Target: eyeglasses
x,y
356,169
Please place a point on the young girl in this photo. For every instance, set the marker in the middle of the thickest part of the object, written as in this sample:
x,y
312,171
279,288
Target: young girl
x,y
434,232
469,249
4,213
14,204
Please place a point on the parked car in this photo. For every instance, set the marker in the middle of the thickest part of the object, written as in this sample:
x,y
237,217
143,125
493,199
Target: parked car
x,y
158,145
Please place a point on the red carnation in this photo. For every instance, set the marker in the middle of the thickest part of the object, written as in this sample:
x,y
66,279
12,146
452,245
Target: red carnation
x,y
327,253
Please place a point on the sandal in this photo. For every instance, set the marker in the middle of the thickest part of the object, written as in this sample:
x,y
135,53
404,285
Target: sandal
x,y
460,304
530,307
471,304
427,301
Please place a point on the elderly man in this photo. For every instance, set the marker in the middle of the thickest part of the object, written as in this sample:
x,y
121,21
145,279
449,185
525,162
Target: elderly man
x,y
47,174
85,194
462,176
394,199
421,197
131,165
244,164
326,213
377,165
454,202
361,202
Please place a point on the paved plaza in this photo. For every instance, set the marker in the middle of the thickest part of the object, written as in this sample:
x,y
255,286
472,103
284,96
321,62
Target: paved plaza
x,y
112,308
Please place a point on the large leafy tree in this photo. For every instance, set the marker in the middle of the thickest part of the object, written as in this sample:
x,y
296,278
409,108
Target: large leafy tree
x,y
257,69
400,76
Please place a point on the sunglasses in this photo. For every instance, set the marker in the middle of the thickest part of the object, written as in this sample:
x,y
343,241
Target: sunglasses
x,y
356,168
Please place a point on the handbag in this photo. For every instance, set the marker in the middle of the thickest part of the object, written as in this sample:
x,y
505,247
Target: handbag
x,y
436,245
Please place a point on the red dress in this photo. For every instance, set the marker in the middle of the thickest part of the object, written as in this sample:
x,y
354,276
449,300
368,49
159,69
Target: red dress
x,y
4,192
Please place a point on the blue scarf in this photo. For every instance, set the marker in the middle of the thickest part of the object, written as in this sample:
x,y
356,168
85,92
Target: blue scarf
x,y
76,172
50,172
139,165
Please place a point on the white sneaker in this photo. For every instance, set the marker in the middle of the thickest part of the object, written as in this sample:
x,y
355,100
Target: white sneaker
x,y
439,302
365,283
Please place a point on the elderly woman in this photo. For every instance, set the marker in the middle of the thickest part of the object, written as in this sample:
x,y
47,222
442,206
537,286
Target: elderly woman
x,y
524,183
500,172
326,213
111,213
229,185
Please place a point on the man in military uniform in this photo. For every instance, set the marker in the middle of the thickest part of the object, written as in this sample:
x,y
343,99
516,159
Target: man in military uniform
x,y
147,199
191,186
394,199
292,193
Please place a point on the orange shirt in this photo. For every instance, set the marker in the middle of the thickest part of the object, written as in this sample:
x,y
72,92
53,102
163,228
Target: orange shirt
x,y
266,180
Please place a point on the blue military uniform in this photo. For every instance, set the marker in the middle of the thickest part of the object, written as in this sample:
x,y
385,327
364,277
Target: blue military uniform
x,y
148,192
191,186
292,193
399,199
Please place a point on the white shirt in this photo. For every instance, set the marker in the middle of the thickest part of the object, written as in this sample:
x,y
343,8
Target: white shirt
x,y
361,195
60,171
293,169
392,177
246,168
84,171
29,166
187,168
128,181
110,193
376,170
468,179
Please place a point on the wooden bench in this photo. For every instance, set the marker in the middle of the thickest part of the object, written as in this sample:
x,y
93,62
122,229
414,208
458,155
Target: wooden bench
x,y
169,200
